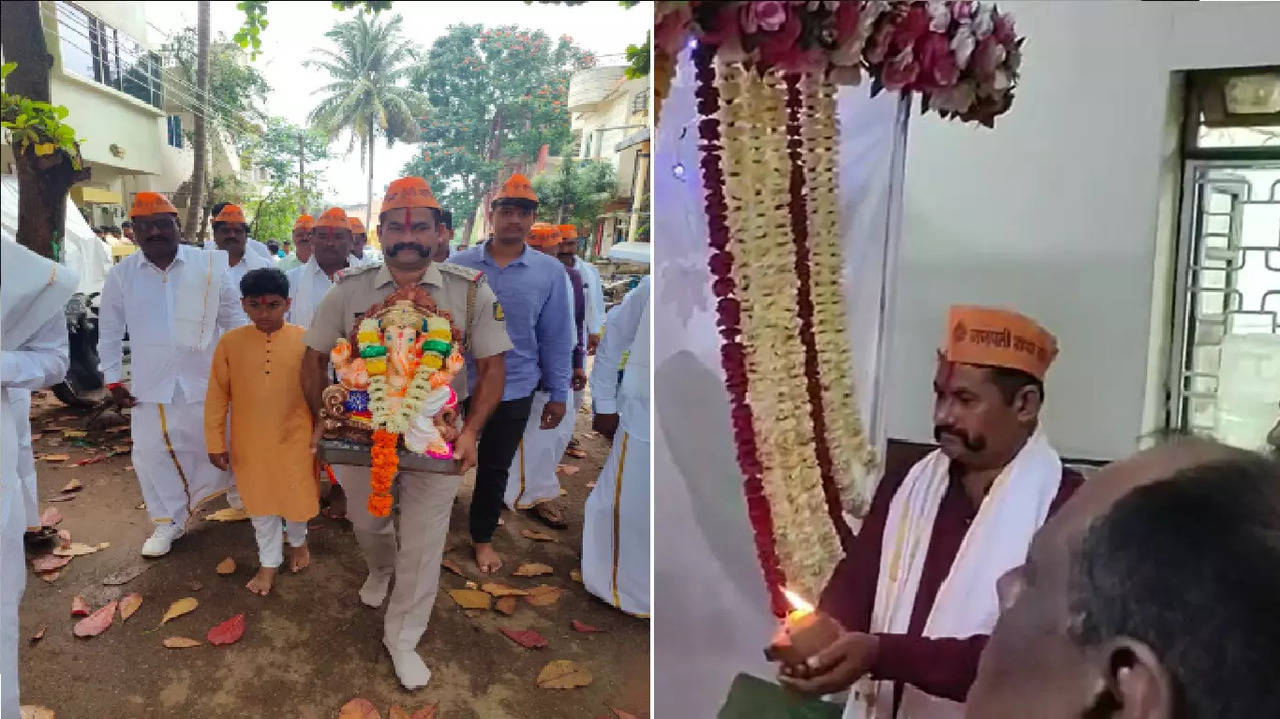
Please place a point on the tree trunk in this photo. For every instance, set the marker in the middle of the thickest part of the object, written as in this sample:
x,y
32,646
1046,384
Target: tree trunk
x,y
43,182
199,141
368,203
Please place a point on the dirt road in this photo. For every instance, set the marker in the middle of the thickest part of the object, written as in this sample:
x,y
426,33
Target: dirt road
x,y
310,646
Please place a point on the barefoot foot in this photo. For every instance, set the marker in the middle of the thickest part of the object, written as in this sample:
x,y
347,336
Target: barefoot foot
x,y
299,558
487,560
261,582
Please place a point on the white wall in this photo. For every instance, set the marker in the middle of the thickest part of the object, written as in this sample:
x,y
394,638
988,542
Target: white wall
x,y
1062,212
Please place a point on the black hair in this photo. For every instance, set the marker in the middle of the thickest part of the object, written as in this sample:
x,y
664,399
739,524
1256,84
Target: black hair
x,y
264,281
273,245
126,225
517,202
1190,567
213,211
1011,381
435,214
446,217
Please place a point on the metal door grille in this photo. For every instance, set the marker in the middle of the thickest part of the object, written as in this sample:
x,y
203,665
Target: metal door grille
x,y
1228,279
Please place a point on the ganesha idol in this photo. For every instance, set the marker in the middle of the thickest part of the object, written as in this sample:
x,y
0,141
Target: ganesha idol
x,y
395,374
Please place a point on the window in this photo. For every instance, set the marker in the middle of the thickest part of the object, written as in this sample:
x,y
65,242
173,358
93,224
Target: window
x,y
95,50
174,123
640,102
1225,368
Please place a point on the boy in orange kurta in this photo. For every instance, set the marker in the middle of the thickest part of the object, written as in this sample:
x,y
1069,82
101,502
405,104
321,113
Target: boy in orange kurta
x,y
257,373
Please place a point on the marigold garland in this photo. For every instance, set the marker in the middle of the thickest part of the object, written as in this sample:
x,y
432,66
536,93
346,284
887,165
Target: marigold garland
x,y
385,464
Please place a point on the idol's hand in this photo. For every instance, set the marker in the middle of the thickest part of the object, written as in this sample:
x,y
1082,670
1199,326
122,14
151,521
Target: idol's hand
x,y
835,668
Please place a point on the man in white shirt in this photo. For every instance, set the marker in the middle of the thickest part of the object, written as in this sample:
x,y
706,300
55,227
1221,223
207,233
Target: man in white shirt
x,y
33,354
331,245
231,235
615,531
175,300
302,228
253,246
590,284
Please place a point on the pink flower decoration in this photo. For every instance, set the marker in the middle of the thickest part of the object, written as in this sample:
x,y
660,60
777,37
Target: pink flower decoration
x,y
768,16
962,10
988,56
669,33
1004,30
962,46
912,25
878,48
901,71
938,67
780,48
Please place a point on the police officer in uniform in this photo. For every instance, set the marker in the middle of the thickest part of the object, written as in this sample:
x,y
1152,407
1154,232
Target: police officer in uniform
x,y
410,230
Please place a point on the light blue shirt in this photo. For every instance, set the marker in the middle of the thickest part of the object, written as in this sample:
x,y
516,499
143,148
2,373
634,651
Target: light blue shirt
x,y
535,301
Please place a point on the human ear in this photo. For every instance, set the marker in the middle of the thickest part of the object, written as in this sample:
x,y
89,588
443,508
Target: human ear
x,y
1135,685
1027,403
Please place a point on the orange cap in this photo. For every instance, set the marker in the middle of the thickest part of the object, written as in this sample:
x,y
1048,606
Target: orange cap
x,y
543,234
568,232
333,217
305,222
999,338
357,227
517,187
408,192
151,203
231,213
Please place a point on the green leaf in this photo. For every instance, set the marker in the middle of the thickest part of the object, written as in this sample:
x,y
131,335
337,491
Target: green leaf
x,y
7,68
61,112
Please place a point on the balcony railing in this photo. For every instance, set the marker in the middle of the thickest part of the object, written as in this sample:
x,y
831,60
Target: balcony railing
x,y
97,51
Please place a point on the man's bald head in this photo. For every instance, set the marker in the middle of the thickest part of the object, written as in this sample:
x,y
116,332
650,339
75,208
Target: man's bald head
x,y
1151,594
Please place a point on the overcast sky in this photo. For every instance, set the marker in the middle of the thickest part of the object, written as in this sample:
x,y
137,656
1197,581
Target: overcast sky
x,y
295,28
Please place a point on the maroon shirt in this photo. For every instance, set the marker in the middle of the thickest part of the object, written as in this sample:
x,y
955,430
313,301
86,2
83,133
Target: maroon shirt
x,y
942,667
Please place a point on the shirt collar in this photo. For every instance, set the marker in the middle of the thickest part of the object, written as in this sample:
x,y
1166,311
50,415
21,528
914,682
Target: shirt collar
x,y
178,258
431,277
488,260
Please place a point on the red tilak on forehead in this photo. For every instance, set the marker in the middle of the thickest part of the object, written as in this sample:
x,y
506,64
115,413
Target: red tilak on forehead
x,y
406,218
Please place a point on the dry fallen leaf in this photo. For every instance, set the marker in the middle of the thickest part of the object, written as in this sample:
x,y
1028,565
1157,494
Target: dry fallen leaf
x,y
103,545
536,535
576,575
506,605
227,515
40,634
532,570
567,469
96,623
623,715
48,563
61,498
527,638
50,577
228,632
31,711
73,486
563,674
226,566
502,590
178,608
359,708
472,585
56,457
471,598
427,712
180,643
50,517
591,485
564,492
79,607
144,504
64,537
452,566
74,433
75,549
397,712
129,604
583,627
575,453
124,576
543,595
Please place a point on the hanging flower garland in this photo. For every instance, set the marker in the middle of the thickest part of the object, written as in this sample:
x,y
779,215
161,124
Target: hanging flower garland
x,y
767,74
962,57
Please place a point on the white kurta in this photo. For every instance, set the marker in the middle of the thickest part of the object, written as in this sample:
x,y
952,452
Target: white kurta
x,y
168,380
250,261
594,295
34,353
615,533
252,247
532,473
307,286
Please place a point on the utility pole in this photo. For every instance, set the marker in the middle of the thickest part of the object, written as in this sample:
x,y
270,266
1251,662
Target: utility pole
x,y
302,191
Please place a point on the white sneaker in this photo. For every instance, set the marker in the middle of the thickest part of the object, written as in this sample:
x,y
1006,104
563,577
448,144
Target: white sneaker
x,y
410,669
161,540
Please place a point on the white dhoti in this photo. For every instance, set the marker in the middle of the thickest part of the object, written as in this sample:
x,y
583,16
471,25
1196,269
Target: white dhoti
x,y
13,570
18,402
171,461
615,531
532,477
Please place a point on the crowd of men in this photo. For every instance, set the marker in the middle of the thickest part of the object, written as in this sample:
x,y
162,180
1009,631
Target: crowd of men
x,y
229,350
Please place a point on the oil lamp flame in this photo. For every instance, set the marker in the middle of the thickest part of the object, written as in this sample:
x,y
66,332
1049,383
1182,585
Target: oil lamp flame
x,y
797,602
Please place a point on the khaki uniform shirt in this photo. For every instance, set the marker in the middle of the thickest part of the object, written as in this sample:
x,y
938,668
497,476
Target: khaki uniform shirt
x,y
360,288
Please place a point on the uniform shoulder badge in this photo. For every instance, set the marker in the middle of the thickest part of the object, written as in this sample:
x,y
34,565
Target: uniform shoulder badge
x,y
467,273
349,272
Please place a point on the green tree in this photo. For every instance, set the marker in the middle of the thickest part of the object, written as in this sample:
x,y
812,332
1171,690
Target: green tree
x,y
366,98
495,95
195,210
276,150
576,193
237,91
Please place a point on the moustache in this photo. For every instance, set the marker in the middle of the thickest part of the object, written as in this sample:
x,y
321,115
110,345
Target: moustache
x,y
424,252
973,444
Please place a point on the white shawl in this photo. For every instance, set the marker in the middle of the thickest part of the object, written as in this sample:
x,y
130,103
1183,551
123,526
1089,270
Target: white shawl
x,y
967,604
197,293
34,289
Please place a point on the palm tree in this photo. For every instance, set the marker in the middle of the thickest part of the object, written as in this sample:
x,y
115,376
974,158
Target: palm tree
x,y
368,96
